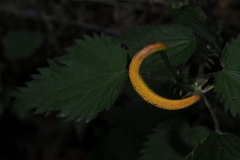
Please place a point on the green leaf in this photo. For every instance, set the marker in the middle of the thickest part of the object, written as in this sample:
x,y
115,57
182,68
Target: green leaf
x,y
217,147
179,40
172,140
119,144
19,44
80,84
227,82
192,16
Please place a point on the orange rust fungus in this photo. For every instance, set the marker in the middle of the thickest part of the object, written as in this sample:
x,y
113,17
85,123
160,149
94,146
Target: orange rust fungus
x,y
145,92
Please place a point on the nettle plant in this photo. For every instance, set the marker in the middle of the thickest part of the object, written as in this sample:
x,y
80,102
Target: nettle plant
x,y
181,61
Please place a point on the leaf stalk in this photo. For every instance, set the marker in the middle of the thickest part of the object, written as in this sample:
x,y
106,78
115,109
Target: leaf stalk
x,y
169,65
216,124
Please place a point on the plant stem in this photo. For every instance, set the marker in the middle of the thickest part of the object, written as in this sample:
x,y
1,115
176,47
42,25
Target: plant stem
x,y
210,74
164,79
170,66
216,124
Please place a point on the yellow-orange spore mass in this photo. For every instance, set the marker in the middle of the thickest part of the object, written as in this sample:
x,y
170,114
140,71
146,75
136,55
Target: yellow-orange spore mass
x,y
145,92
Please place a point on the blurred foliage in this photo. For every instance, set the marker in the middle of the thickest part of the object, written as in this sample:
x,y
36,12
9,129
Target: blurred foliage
x,y
19,44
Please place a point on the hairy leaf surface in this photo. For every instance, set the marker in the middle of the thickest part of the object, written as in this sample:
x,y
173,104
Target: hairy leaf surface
x,y
227,83
179,40
80,84
217,147
193,17
172,140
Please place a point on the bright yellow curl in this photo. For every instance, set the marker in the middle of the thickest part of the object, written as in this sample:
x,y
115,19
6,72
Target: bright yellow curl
x,y
145,92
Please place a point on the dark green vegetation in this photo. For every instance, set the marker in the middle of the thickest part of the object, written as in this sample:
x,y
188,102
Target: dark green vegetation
x,y
100,116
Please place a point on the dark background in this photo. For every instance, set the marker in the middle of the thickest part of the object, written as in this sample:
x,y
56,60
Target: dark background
x,y
28,136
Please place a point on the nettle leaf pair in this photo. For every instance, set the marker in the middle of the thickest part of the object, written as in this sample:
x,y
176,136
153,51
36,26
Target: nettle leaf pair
x,y
90,78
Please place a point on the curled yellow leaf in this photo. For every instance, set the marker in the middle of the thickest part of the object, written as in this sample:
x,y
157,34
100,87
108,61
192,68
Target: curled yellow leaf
x,y
145,92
